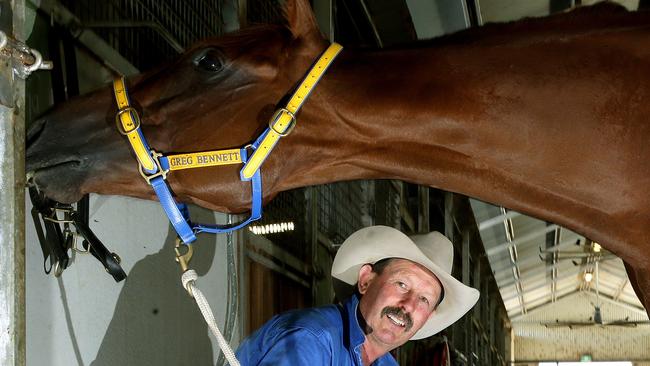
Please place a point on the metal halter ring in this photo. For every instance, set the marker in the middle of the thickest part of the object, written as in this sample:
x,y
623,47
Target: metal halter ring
x,y
160,172
276,117
135,119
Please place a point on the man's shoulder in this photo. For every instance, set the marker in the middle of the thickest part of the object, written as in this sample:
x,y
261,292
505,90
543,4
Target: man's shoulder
x,y
316,320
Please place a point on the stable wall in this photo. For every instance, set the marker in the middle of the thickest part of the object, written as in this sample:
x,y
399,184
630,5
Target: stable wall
x,y
86,318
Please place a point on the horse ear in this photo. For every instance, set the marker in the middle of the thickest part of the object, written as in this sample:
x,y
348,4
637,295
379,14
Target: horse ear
x,y
300,19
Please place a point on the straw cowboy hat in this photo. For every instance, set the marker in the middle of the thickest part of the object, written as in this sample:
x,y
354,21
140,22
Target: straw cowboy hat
x,y
433,250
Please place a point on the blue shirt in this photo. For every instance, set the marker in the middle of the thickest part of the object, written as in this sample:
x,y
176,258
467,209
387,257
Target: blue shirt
x,y
328,335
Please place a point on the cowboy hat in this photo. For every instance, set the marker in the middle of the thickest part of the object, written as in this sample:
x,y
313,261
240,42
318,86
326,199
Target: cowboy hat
x,y
434,251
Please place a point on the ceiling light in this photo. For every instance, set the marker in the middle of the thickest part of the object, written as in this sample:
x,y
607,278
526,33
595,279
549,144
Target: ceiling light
x,y
596,247
271,228
588,276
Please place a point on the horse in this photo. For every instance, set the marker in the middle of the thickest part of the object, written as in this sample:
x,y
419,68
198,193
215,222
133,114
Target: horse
x,y
544,116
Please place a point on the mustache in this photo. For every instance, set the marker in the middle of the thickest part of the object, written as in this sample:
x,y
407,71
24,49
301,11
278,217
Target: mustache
x,y
399,313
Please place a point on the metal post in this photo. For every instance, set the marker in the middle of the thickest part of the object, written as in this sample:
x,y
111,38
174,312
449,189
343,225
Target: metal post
x,y
449,216
324,17
423,209
12,196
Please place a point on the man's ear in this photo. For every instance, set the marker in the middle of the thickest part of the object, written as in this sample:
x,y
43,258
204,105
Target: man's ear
x,y
366,275
301,20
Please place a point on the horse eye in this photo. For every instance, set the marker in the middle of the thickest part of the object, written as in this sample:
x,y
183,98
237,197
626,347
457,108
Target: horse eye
x,y
209,60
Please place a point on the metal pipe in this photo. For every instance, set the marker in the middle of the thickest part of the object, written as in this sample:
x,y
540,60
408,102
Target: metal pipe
x,y
541,284
497,220
372,24
232,302
88,38
512,251
168,37
496,249
497,267
620,289
12,197
623,304
271,265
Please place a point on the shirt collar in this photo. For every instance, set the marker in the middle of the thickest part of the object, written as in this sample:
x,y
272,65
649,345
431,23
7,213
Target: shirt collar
x,y
356,336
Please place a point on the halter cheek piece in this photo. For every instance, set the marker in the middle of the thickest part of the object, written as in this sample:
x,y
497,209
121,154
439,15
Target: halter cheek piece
x,y
154,166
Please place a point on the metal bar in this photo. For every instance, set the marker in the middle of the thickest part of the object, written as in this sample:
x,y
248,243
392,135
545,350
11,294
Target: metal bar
x,y
526,274
497,267
533,309
423,209
449,217
513,256
465,260
530,273
232,305
406,216
269,264
324,17
532,235
164,34
88,38
625,305
372,24
620,289
497,220
266,246
561,290
12,196
242,10
543,284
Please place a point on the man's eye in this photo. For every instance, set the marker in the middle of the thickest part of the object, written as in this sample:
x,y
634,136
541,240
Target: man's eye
x,y
424,300
401,284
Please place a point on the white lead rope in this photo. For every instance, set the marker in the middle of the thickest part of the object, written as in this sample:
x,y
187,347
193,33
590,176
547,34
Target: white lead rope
x,y
189,277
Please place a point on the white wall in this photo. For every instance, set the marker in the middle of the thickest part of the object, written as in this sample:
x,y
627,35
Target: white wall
x,y
86,318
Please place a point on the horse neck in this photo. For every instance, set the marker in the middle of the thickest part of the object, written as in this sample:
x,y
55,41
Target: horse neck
x,y
397,114
485,123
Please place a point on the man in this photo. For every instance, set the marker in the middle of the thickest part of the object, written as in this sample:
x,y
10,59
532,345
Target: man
x,y
404,290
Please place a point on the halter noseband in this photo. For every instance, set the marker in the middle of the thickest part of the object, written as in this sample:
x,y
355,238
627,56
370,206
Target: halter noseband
x,y
154,166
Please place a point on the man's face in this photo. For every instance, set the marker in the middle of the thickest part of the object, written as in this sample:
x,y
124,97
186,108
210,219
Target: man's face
x,y
397,303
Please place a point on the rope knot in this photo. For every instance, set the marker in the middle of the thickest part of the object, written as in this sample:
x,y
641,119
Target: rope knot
x,y
188,279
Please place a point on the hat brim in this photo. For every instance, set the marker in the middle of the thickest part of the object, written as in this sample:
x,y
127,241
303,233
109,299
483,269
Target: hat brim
x,y
369,245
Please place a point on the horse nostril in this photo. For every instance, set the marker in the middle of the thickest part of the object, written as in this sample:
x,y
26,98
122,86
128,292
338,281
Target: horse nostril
x,y
34,132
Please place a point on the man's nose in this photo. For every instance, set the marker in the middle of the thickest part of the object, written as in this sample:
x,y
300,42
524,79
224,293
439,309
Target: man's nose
x,y
409,303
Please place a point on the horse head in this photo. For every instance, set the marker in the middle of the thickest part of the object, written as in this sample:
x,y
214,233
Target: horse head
x,y
218,94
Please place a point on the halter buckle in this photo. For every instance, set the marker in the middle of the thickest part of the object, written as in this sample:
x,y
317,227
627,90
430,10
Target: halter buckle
x,y
135,118
276,116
